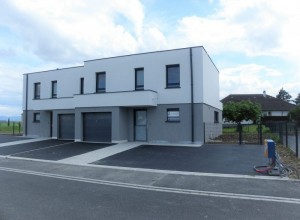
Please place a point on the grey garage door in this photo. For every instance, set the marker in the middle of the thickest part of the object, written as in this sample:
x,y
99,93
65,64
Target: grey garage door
x,y
66,127
97,127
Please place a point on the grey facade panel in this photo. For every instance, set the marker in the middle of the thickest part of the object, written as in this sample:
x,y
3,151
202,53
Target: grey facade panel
x,y
66,127
41,128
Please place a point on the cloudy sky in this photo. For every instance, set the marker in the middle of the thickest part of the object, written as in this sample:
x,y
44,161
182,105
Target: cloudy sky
x,y
254,43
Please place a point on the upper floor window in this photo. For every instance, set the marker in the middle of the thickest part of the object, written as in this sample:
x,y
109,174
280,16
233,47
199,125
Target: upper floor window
x,y
54,89
139,79
81,85
173,76
100,82
216,117
173,115
37,91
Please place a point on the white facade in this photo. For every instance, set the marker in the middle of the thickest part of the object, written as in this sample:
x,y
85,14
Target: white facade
x,y
120,83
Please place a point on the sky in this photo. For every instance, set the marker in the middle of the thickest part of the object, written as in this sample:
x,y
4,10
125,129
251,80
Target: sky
x,y
255,44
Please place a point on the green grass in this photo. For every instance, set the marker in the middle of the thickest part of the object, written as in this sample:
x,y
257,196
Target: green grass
x,y
5,129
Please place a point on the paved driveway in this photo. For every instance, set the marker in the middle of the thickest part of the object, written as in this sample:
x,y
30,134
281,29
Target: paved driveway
x,y
227,159
50,149
10,138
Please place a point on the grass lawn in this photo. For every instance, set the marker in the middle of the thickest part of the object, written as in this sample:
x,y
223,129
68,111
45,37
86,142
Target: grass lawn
x,y
5,129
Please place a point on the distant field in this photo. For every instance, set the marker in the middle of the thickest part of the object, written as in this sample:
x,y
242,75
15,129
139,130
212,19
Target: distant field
x,y
5,129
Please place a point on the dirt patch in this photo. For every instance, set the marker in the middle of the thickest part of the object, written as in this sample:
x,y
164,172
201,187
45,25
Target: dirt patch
x,y
289,159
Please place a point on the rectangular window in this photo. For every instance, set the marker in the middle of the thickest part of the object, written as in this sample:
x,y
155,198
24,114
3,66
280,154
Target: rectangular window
x,y
36,117
81,85
216,117
173,115
100,82
139,79
173,76
54,89
37,91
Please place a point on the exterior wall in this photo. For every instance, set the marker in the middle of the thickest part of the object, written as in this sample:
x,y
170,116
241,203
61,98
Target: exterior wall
x,y
55,122
275,113
38,129
210,83
120,98
212,129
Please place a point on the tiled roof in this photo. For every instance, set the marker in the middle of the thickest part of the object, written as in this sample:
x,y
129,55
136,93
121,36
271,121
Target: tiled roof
x,y
268,103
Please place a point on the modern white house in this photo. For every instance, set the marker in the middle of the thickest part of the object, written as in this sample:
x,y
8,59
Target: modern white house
x,y
162,96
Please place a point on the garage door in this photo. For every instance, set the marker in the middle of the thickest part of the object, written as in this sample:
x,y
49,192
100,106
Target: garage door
x,y
97,127
66,127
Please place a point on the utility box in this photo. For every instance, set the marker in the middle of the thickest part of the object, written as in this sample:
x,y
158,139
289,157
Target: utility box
x,y
269,148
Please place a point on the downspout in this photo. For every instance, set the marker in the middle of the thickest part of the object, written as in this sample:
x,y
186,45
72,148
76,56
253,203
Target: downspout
x,y
26,106
192,94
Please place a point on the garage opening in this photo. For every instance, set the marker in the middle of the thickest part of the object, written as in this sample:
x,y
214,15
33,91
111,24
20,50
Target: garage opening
x,y
66,128
97,126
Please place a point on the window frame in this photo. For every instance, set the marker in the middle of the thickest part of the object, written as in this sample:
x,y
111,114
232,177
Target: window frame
x,y
100,90
171,118
173,85
35,118
81,86
139,87
53,91
35,94
216,117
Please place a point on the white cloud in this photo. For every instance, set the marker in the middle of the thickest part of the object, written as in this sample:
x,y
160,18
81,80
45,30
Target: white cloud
x,y
254,79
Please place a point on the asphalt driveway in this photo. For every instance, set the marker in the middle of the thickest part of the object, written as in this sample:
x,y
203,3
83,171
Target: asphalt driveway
x,y
50,149
227,159
4,138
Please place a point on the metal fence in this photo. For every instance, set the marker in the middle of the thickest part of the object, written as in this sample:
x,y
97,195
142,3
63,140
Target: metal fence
x,y
11,127
286,133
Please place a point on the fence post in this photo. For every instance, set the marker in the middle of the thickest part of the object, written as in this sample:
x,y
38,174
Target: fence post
x,y
296,133
13,128
260,133
19,127
286,134
240,129
204,132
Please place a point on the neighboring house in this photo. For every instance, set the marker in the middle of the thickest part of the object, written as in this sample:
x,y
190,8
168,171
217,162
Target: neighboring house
x,y
273,109
163,96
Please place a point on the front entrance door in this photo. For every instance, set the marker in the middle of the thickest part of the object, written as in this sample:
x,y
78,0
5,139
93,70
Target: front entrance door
x,y
140,125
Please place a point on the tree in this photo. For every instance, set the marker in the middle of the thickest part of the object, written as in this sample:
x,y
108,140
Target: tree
x,y
284,95
239,111
294,114
297,99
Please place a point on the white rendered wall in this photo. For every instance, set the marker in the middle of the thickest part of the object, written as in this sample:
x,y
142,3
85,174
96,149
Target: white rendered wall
x,y
210,82
120,77
120,74
67,85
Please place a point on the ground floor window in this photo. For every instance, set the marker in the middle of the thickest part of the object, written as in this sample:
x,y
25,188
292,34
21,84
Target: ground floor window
x,y
36,117
173,115
216,117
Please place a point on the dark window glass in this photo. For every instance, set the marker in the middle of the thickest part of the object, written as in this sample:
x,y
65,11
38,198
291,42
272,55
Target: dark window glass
x,y
216,119
81,85
139,79
37,90
36,117
54,89
100,82
173,76
173,115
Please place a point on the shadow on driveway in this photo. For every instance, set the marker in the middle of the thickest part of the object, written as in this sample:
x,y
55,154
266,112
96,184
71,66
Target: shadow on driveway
x,y
227,159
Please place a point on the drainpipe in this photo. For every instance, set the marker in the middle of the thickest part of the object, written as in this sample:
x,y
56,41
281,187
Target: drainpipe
x,y
192,94
26,106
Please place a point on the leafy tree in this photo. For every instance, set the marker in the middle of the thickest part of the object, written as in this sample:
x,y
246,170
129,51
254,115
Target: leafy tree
x,y
294,114
297,100
284,95
240,111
